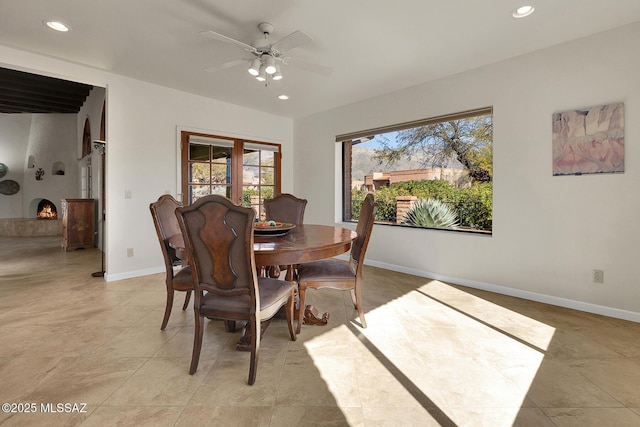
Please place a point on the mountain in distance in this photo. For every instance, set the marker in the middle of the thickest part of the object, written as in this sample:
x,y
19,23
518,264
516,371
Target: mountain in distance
x,y
363,163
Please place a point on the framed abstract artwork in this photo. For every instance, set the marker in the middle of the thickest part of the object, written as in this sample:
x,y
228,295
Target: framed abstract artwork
x,y
589,140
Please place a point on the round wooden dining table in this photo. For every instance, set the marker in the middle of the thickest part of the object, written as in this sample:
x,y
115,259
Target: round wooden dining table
x,y
304,243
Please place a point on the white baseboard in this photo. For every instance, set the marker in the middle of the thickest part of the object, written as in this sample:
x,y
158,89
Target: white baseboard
x,y
132,274
518,293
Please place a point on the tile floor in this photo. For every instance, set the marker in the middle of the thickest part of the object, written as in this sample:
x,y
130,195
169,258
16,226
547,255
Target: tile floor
x,y
433,354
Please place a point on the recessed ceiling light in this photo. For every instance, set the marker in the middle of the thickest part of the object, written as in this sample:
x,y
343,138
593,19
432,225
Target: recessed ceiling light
x,y
57,25
523,11
283,97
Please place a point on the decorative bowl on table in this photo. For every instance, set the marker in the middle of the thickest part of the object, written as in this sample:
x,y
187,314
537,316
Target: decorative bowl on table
x,y
272,228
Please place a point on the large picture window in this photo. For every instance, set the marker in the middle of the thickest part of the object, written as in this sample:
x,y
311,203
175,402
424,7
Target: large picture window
x,y
432,173
246,172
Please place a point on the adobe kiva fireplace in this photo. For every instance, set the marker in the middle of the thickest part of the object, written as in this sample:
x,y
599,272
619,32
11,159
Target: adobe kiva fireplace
x,y
46,210
43,220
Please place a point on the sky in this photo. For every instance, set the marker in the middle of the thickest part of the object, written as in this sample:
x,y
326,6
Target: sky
x,y
375,142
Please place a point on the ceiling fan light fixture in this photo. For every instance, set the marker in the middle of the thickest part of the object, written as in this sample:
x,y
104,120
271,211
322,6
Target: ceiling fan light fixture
x,y
262,76
267,57
278,74
254,69
270,65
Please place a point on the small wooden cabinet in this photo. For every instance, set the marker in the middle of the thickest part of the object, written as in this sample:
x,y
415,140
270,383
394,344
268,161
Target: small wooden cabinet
x,y
78,219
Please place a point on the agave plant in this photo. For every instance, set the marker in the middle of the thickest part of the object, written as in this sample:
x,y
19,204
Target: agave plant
x,y
431,213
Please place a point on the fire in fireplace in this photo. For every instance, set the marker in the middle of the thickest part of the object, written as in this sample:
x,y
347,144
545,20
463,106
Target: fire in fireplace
x,y
47,210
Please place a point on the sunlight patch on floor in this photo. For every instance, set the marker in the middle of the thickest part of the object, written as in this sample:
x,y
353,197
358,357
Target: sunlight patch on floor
x,y
525,328
439,347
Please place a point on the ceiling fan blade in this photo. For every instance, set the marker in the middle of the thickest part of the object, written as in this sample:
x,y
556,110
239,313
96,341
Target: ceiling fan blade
x,y
222,37
293,40
226,65
308,66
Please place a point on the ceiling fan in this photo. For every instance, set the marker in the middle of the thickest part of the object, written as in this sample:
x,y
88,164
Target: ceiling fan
x,y
264,65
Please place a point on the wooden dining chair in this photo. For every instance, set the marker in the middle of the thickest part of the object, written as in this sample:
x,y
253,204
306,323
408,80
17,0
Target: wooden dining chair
x,y
285,208
218,237
340,275
166,223
289,209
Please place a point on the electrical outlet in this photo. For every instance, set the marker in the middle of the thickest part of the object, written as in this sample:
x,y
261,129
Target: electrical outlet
x,y
598,276
129,252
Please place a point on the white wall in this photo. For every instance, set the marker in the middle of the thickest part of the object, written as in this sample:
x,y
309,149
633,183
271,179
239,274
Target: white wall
x,y
548,232
48,138
142,149
14,137
52,138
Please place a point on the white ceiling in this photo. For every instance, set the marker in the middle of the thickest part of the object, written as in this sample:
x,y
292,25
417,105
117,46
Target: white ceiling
x,y
373,46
